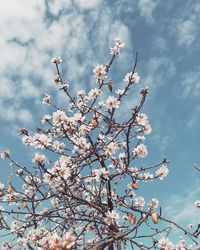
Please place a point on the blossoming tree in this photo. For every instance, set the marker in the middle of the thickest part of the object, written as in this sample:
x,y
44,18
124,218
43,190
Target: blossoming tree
x,y
87,198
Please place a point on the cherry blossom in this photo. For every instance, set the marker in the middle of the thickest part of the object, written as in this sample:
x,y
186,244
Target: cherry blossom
x,y
99,72
140,151
47,99
56,60
5,154
153,203
132,78
165,244
112,102
118,45
197,203
112,216
85,185
139,202
162,172
39,158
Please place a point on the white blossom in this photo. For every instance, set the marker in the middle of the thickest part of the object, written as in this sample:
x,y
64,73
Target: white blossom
x,y
59,117
120,91
22,242
165,244
54,202
142,120
162,172
56,60
140,151
47,99
153,203
118,45
135,78
1,186
5,154
146,176
102,172
94,93
99,72
110,148
197,203
14,228
46,118
139,202
112,102
39,158
57,80
112,216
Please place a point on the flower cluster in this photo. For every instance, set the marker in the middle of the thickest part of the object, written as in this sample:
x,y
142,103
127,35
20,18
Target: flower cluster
x,y
85,191
99,72
142,121
140,151
118,45
132,78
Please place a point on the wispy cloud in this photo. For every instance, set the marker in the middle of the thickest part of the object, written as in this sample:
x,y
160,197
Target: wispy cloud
x,y
146,8
181,207
191,83
185,26
187,32
158,70
39,30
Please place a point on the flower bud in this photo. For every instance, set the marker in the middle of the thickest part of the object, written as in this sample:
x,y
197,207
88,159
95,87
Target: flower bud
x,y
154,217
134,185
94,122
131,219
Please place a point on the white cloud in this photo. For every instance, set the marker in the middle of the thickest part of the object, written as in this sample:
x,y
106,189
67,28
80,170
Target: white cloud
x,y
186,32
191,84
88,4
56,6
158,68
146,8
193,120
17,16
185,26
12,113
160,44
7,88
181,208
24,115
33,37
28,89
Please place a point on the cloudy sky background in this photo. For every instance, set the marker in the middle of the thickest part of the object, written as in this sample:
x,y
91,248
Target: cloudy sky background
x,y
166,36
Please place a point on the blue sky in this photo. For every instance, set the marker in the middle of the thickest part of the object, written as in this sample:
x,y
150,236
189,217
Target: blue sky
x,y
166,36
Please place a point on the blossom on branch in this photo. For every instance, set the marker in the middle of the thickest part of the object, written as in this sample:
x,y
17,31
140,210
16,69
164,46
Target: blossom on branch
x,y
162,172
140,151
99,72
5,154
56,60
112,102
88,194
132,78
118,45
